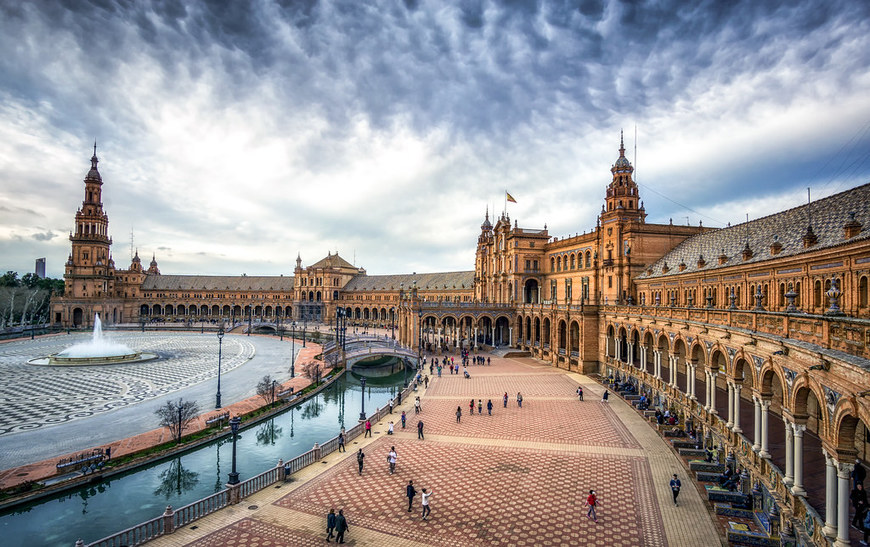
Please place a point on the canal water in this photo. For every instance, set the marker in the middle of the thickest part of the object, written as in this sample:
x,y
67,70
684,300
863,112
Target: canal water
x,y
98,510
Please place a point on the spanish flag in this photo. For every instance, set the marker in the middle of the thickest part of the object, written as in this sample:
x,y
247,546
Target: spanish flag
x,y
509,197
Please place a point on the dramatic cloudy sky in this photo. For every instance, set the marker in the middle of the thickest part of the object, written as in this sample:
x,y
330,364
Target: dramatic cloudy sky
x,y
233,135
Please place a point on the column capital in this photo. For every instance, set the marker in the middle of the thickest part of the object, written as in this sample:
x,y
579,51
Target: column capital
x,y
799,429
844,469
765,404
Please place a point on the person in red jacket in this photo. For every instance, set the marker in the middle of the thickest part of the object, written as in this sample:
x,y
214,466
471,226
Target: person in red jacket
x,y
592,503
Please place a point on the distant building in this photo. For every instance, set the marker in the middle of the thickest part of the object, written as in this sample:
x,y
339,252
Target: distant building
x,y
40,268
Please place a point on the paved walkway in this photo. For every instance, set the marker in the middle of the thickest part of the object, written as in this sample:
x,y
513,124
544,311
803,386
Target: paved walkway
x,y
517,477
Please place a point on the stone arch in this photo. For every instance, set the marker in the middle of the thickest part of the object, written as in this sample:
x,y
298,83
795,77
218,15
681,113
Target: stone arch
x,y
537,331
622,341
144,310
529,337
718,364
545,334
610,341
563,335
807,403
574,338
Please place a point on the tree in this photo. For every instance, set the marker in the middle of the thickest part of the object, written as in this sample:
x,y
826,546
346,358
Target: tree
x,y
10,279
313,370
266,389
177,415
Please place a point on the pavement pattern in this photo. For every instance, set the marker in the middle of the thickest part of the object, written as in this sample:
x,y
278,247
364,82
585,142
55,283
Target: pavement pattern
x,y
517,477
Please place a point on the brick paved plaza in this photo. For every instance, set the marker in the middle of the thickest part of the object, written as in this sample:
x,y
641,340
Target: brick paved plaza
x,y
518,477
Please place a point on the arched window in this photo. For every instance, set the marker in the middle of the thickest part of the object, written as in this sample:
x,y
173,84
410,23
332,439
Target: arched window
x,y
572,262
588,259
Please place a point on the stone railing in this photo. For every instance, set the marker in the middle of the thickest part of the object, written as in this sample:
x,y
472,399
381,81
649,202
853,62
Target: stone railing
x,y
174,519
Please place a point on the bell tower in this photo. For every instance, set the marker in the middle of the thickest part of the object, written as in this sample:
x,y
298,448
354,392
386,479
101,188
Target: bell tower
x,y
622,199
88,272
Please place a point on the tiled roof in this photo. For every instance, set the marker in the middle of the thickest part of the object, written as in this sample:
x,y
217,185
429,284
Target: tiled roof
x,y
333,261
788,228
427,281
217,283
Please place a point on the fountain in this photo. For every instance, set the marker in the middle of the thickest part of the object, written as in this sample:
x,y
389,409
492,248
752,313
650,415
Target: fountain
x,y
97,351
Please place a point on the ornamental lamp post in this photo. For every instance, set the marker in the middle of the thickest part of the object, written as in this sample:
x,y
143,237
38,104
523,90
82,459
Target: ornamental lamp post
x,y
362,411
234,426
293,349
220,335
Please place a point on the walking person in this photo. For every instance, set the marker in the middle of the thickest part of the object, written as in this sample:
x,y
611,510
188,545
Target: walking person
x,y
340,526
675,488
426,510
520,399
391,406
489,407
605,396
471,407
417,406
458,413
410,491
592,503
420,430
505,399
403,419
480,407
359,460
330,524
368,429
580,393
391,458
390,428
859,502
341,447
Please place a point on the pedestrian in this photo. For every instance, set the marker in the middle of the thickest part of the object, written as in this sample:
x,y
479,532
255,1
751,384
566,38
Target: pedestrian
x,y
487,362
340,526
359,460
341,447
605,396
675,488
519,399
390,428
489,407
859,501
417,406
471,407
420,430
410,491
866,526
426,381
426,510
368,429
592,503
505,399
403,419
580,392
330,524
439,371
480,407
458,413
391,458
399,398
391,406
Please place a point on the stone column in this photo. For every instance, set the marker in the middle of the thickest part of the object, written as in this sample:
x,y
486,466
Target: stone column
x,y
511,336
798,488
844,470
736,428
830,528
643,358
729,389
675,361
756,446
765,406
618,350
474,344
630,355
788,479
493,335
713,393
657,359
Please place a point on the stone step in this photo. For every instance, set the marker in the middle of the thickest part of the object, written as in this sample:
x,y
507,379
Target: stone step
x,y
710,467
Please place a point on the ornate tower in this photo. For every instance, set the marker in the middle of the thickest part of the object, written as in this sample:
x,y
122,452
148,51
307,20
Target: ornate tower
x,y
88,272
622,198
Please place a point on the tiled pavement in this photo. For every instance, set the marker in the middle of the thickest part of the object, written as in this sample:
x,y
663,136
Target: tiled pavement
x,y
518,477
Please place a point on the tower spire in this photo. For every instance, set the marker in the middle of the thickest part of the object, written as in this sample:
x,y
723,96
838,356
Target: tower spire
x,y
621,145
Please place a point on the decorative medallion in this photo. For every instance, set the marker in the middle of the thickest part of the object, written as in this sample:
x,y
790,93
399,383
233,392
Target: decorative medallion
x,y
831,399
790,375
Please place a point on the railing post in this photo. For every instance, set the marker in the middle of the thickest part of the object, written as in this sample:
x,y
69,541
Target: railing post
x,y
80,543
235,493
282,473
168,520
316,451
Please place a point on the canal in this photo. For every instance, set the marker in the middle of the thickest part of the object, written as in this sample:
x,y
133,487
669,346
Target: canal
x,y
98,510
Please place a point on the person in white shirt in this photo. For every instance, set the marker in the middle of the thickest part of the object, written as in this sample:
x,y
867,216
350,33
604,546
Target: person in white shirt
x,y
392,457
390,428
426,509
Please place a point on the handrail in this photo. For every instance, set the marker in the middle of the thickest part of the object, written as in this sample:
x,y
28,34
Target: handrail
x,y
200,508
137,535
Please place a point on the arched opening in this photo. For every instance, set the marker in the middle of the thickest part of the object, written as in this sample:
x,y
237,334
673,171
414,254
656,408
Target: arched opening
x,y
144,310
545,335
563,337
537,331
575,339
810,412
530,291
719,366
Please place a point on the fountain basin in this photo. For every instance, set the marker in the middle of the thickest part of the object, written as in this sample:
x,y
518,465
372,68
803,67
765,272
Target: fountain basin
x,y
59,360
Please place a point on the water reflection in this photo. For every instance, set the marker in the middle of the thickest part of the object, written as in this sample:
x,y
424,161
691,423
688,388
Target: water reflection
x,y
268,433
176,480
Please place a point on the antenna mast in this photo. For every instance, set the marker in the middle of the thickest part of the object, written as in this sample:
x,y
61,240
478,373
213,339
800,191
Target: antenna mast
x,y
131,244
635,152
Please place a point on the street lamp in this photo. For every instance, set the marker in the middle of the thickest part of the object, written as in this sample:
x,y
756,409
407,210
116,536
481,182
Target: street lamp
x,y
220,336
293,349
362,411
234,425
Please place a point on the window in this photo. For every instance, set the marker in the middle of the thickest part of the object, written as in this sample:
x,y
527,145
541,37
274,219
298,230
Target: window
x,y
609,281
